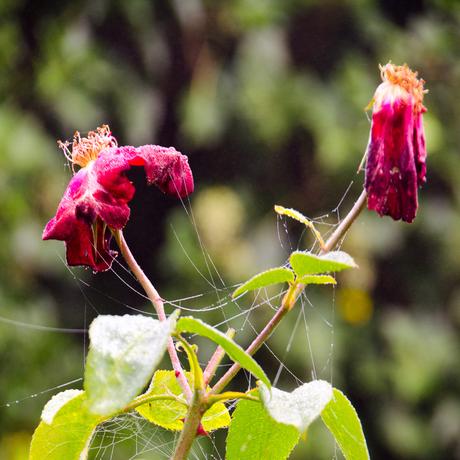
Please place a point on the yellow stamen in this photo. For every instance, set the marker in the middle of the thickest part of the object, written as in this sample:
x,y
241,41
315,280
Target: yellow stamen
x,y
87,149
404,77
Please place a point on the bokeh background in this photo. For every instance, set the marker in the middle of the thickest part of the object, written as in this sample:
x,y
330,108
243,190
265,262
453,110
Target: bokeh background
x,y
266,98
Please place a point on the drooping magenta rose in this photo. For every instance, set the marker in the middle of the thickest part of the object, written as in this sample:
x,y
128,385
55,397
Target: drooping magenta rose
x,y
396,152
96,198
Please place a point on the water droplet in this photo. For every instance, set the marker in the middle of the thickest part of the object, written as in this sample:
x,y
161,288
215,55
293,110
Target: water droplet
x,y
7,405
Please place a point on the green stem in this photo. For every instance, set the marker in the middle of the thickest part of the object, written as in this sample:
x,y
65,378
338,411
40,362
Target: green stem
x,y
216,359
191,425
144,400
195,369
157,303
231,395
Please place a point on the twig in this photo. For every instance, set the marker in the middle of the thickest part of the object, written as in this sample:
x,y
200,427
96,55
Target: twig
x,y
157,302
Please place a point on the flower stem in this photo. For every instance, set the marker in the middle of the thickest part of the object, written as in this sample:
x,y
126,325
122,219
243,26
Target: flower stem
x,y
216,359
340,231
157,302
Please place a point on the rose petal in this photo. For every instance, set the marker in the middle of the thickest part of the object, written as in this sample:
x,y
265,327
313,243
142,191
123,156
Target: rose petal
x,y
420,148
167,169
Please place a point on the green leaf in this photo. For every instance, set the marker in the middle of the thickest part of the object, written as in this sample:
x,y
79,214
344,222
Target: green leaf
x,y
69,434
123,354
298,408
254,435
341,418
168,414
317,279
189,324
267,278
306,263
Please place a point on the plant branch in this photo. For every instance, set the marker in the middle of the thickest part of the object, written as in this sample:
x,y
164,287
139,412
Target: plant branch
x,y
191,427
216,359
231,395
146,399
293,293
157,303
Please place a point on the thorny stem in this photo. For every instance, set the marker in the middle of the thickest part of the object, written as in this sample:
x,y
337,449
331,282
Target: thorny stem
x,y
332,242
216,359
157,302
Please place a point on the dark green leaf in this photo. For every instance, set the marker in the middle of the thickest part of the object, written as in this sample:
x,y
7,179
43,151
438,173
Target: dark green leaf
x,y
188,324
343,421
267,278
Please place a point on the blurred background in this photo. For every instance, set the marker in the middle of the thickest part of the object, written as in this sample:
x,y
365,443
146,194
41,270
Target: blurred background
x,y
266,98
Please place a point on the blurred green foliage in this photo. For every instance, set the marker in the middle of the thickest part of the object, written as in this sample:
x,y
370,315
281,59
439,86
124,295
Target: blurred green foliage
x,y
266,98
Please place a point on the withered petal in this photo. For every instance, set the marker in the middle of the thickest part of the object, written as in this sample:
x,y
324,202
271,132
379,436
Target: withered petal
x,y
100,192
396,157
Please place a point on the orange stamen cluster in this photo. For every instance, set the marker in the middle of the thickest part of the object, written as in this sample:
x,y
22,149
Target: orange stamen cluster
x,y
404,77
87,149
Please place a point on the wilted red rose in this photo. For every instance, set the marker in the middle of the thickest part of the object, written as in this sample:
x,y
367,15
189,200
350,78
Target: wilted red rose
x,y
96,198
396,152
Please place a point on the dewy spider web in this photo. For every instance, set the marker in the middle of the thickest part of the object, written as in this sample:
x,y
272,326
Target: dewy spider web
x,y
158,442
310,330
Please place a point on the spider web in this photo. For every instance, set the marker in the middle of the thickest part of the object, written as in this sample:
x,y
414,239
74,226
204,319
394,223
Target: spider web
x,y
310,327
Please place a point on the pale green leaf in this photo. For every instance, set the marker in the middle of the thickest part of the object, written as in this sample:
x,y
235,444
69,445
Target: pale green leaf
x,y
306,263
343,421
215,417
69,436
267,278
189,324
254,435
168,414
317,279
56,402
124,351
298,408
